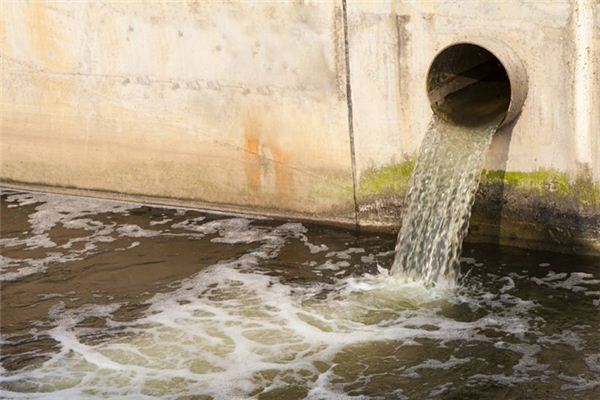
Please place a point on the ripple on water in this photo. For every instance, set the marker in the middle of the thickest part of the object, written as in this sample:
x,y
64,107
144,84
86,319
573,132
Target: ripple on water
x,y
245,326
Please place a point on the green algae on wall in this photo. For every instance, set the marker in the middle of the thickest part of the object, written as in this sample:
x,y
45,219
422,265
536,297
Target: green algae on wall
x,y
549,182
386,180
394,179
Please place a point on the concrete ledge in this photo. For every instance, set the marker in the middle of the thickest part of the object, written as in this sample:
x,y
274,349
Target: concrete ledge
x,y
383,217
346,223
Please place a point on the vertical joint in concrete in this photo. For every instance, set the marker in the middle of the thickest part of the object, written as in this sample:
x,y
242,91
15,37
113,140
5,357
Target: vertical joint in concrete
x,y
583,26
350,115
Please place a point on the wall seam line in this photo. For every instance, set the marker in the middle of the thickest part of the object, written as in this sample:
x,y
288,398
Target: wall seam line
x,y
350,114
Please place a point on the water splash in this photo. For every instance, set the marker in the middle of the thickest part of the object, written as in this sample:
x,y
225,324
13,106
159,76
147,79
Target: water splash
x,y
271,310
442,191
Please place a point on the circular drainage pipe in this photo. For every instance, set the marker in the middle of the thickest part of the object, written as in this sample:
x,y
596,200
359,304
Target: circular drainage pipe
x,y
471,84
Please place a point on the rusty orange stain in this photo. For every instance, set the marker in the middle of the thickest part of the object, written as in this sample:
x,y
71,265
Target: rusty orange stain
x,y
282,172
251,157
257,144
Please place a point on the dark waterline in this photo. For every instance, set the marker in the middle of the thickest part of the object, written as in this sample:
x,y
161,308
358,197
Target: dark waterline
x,y
112,300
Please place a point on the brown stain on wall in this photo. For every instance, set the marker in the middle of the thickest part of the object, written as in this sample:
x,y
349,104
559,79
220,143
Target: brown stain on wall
x,y
282,172
251,148
264,157
121,156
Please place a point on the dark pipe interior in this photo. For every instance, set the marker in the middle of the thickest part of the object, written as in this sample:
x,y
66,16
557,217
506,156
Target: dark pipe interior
x,y
468,85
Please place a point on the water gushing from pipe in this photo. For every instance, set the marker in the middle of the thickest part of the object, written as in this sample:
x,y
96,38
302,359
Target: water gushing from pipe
x,y
443,187
471,95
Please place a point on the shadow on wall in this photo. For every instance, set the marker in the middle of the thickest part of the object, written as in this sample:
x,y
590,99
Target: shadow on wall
x,y
489,203
543,209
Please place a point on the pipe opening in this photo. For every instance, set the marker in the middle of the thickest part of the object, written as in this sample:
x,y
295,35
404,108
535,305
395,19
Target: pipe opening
x,y
468,85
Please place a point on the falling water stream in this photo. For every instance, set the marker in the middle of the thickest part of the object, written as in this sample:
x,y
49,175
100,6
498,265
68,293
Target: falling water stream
x,y
442,191
470,93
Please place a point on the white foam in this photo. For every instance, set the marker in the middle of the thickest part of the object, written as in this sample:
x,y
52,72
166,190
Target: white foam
x,y
544,265
161,222
435,364
228,323
36,265
30,242
54,208
367,259
50,211
567,337
219,331
509,285
315,248
593,362
577,383
578,282
440,389
345,254
225,325
136,231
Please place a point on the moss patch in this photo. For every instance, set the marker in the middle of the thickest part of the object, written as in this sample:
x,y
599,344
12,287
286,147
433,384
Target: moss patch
x,y
389,179
540,182
548,182
394,179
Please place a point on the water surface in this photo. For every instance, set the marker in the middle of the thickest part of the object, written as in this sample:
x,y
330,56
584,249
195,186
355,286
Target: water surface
x,y
105,299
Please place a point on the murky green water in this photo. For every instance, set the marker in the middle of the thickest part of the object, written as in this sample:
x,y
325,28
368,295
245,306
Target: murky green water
x,y
113,300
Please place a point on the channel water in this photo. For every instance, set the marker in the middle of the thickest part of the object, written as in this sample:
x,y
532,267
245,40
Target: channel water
x,y
113,300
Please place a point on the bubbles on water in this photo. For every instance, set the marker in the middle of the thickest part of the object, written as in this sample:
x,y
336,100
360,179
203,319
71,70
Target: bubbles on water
x,y
243,328
226,330
574,281
231,331
52,211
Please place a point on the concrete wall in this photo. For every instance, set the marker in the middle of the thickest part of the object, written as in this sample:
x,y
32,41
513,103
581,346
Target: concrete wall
x,y
308,108
595,88
542,171
241,103
392,47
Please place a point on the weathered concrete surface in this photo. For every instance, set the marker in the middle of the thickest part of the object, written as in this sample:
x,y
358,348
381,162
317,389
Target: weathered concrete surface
x,y
553,142
392,47
244,106
239,103
595,89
